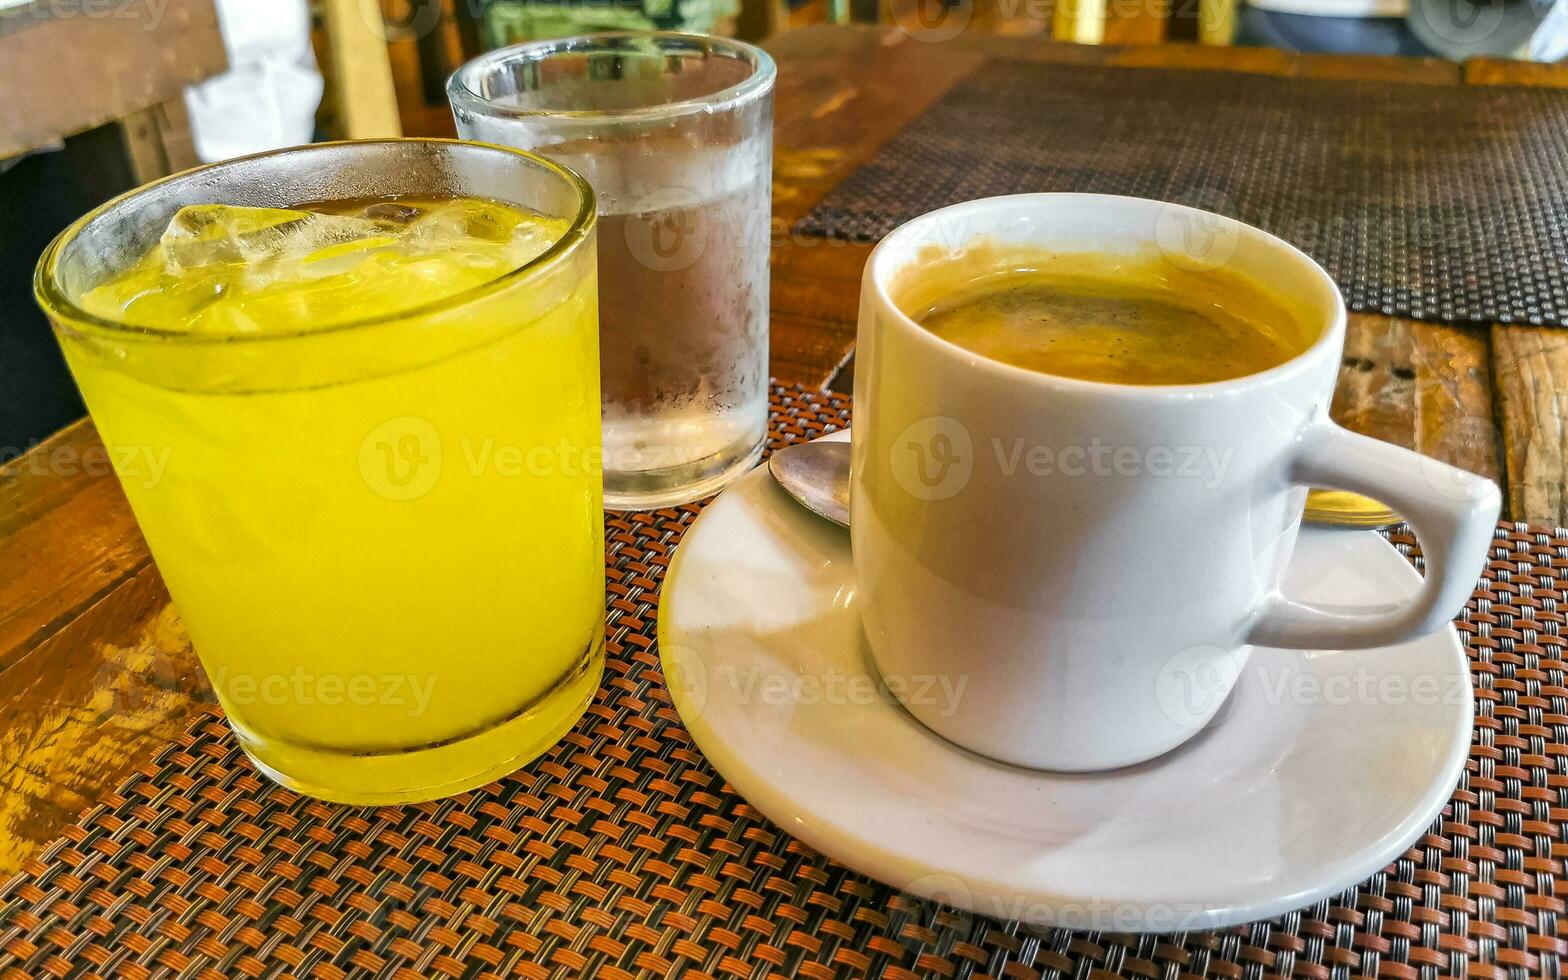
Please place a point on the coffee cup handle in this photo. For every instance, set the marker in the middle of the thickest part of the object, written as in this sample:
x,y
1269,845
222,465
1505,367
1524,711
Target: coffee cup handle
x,y
1452,512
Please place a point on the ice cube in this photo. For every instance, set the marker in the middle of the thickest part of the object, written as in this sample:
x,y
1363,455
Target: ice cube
x,y
392,214
209,234
468,231
318,237
531,239
235,270
456,223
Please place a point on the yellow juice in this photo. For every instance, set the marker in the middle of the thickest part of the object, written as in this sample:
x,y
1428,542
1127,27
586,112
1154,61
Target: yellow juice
x,y
366,461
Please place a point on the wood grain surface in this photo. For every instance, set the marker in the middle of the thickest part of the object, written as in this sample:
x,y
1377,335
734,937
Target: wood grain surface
x,y
69,65
98,672
1531,363
1532,394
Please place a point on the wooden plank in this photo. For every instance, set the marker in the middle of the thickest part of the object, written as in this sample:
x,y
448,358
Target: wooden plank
x,y
1531,372
68,65
1503,71
89,706
96,670
1379,68
816,296
1197,57
144,146
361,70
158,141
846,92
1034,49
179,143
1384,68
1137,21
64,519
1135,52
1423,386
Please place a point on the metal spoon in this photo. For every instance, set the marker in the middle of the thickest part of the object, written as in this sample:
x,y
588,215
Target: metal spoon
x,y
1341,508
817,475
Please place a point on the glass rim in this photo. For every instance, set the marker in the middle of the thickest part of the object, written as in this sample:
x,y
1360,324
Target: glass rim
x,y
60,308
461,91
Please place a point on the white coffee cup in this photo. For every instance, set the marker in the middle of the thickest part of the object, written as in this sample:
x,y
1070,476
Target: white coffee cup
x,y
1066,597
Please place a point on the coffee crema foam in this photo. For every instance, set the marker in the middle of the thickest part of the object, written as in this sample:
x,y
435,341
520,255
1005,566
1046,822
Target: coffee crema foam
x,y
1131,319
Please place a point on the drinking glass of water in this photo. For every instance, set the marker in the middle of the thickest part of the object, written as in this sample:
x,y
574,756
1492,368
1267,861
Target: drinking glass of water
x,y
675,134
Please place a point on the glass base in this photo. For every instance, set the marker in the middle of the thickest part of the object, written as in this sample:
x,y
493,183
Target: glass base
x,y
422,774
653,489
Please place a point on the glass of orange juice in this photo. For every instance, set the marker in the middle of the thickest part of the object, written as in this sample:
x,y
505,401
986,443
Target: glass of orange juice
x,y
352,393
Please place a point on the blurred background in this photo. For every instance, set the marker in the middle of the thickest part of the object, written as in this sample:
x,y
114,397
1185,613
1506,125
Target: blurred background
x,y
99,96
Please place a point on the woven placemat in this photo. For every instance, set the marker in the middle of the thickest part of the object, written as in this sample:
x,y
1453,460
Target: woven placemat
x,y
622,854
1434,202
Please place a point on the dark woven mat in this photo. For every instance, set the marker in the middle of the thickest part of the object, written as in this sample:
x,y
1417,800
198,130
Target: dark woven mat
x,y
1434,202
622,854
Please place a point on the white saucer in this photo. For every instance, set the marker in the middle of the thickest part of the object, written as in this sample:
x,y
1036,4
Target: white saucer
x,y
1321,769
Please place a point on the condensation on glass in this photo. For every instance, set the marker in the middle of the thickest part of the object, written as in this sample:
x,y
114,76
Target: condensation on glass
x,y
383,534
674,132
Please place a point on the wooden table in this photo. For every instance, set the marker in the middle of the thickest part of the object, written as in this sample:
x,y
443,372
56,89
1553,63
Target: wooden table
x,y
97,669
